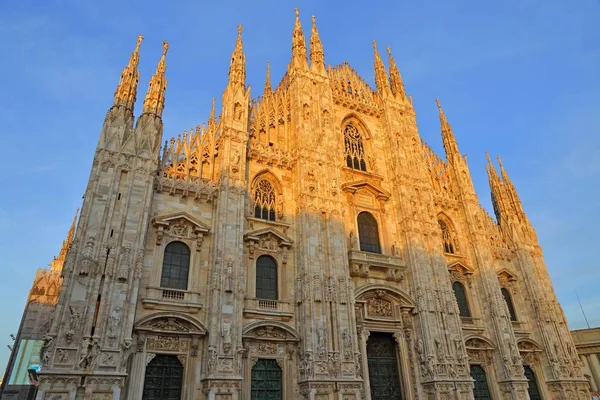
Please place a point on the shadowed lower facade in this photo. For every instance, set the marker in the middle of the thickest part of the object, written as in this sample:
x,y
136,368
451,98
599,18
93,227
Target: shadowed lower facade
x,y
305,244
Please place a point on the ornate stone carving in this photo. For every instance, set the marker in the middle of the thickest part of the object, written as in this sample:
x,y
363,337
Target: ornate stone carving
x,y
164,343
113,323
226,335
379,307
124,265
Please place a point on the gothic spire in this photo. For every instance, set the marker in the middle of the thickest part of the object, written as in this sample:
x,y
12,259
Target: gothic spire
x,y
154,102
448,138
510,188
237,67
317,57
396,84
381,77
298,45
58,262
127,88
268,80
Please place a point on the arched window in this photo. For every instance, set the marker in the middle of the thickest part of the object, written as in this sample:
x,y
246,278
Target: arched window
x,y
354,149
176,266
264,200
461,299
509,304
368,233
447,238
266,278
481,391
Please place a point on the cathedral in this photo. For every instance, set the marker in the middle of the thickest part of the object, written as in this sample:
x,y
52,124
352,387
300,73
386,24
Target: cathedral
x,y
302,244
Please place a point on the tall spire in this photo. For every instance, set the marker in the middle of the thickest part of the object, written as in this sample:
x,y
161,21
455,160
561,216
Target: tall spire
x,y
212,120
448,138
381,77
317,57
58,262
510,188
154,102
495,187
268,88
237,67
396,84
298,45
127,88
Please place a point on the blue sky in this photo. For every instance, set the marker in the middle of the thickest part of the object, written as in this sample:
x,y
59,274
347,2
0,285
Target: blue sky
x,y
518,78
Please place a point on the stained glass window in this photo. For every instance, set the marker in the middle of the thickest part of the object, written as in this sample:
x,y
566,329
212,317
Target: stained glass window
x,y
176,266
368,233
264,200
509,304
266,278
354,149
461,299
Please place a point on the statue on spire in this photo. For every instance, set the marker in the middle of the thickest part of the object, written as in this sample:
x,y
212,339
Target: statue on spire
x,y
381,77
396,84
268,88
154,102
126,92
298,45
448,138
237,67
317,57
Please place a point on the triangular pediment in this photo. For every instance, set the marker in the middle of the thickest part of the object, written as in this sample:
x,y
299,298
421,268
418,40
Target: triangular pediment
x,y
461,268
168,219
378,192
272,233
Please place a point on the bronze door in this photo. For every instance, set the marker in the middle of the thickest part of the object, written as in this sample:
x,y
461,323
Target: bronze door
x,y
164,377
481,391
266,380
384,377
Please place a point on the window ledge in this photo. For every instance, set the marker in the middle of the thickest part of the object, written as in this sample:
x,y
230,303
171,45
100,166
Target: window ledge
x,y
275,309
268,222
171,299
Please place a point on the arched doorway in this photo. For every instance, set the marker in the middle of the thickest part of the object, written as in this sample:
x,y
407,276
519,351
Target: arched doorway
x,y
164,377
383,367
266,380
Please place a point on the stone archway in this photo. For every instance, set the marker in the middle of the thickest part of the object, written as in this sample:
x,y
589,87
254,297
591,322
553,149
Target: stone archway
x,y
384,324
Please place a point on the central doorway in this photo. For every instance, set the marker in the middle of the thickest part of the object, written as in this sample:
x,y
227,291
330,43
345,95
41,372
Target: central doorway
x,y
382,359
164,376
266,380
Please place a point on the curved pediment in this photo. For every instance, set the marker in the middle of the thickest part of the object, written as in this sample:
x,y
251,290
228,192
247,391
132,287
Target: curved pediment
x,y
375,190
385,292
269,236
270,330
528,345
170,322
477,342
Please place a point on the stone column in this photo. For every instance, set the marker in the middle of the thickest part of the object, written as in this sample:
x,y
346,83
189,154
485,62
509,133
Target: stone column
x,y
405,363
594,364
363,335
136,377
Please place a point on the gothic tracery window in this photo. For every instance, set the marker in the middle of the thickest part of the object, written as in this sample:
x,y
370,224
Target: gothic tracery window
x,y
447,239
354,149
176,266
509,304
368,233
264,200
461,299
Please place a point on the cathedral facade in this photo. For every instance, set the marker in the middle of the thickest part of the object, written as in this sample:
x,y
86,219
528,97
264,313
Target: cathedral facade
x,y
305,244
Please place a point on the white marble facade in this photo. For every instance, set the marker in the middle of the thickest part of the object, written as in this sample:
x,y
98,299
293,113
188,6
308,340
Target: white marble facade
x,y
299,178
